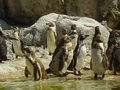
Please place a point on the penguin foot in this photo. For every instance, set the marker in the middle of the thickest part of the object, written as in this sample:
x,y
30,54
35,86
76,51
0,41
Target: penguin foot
x,y
63,75
95,76
78,73
48,70
115,72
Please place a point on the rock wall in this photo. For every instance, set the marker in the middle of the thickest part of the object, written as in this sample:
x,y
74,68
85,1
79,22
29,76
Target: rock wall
x,y
28,11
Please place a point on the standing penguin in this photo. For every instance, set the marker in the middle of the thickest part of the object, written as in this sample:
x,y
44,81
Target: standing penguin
x,y
79,55
51,37
62,58
3,47
17,43
61,42
73,35
33,65
98,56
115,56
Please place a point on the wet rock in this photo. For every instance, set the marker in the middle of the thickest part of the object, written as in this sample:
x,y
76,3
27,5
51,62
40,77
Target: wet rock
x,y
4,25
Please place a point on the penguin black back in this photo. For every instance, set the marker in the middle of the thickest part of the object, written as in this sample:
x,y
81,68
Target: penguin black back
x,y
3,47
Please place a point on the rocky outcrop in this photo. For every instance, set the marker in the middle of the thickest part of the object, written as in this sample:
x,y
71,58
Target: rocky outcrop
x,y
36,34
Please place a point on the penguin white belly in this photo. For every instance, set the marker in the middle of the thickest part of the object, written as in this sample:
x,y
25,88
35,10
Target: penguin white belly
x,y
29,67
74,41
81,58
67,62
51,41
97,64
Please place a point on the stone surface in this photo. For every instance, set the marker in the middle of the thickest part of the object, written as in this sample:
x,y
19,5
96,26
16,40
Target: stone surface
x,y
36,34
81,8
17,65
28,11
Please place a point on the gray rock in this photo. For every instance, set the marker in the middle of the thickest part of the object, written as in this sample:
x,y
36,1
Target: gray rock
x,y
27,11
4,25
36,34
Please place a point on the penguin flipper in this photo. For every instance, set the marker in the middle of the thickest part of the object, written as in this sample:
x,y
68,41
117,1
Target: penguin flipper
x,y
26,72
13,48
35,72
105,61
62,59
91,64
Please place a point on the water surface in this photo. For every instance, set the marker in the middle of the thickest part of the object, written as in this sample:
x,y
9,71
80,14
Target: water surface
x,y
60,84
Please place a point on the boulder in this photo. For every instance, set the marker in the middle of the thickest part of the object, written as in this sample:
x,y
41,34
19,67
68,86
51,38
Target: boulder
x,y
36,34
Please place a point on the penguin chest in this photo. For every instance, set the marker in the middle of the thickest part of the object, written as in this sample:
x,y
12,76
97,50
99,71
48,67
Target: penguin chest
x,y
67,62
74,41
30,67
51,41
97,61
81,58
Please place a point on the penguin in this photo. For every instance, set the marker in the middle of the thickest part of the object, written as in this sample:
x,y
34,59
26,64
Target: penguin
x,y
3,47
17,44
61,42
79,55
99,62
51,37
62,58
33,65
59,46
73,35
115,57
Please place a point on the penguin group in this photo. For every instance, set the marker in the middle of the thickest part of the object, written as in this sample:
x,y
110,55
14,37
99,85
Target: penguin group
x,y
68,54
71,52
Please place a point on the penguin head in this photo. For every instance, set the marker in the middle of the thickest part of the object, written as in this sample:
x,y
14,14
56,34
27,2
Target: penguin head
x,y
28,51
64,31
73,28
51,26
97,30
82,37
